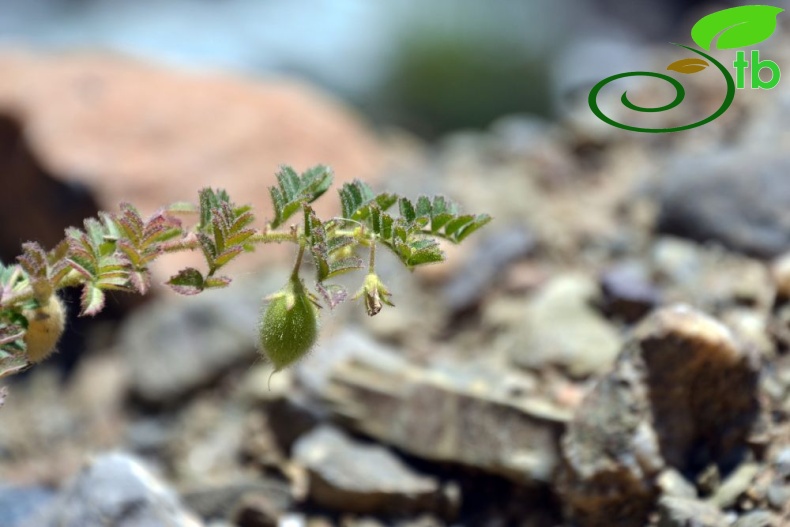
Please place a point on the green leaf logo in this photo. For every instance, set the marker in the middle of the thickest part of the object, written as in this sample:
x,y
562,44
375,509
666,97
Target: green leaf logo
x,y
687,66
738,26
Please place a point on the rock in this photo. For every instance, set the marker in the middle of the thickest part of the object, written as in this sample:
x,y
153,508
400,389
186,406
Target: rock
x,y
682,512
17,504
116,489
292,416
492,254
780,272
734,485
702,276
778,495
292,520
782,463
682,394
702,388
347,475
256,511
149,436
50,205
628,293
315,371
756,519
750,327
177,345
672,483
736,199
241,499
477,419
129,131
562,328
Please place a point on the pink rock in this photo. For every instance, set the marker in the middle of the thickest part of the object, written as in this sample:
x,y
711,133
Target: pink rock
x,y
130,131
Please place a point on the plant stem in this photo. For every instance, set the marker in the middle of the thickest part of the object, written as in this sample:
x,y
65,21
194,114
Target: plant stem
x,y
298,264
22,296
184,244
273,237
372,261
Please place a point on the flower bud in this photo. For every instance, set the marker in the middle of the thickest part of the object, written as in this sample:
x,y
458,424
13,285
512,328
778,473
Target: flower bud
x,y
375,293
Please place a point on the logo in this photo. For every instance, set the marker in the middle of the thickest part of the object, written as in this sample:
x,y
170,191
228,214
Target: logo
x,y
737,27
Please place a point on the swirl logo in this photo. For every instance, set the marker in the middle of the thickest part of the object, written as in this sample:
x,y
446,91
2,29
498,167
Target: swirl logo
x,y
732,28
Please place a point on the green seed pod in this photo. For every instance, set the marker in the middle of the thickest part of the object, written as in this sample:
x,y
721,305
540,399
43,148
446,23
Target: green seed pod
x,y
289,326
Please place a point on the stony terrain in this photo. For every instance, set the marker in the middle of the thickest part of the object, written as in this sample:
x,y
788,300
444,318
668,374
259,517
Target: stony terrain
x,y
611,351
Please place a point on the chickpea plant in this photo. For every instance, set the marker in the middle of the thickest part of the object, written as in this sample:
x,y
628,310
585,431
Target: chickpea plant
x,y
113,252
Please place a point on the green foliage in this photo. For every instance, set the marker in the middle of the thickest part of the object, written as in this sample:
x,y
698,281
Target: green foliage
x,y
222,234
294,190
327,246
12,323
412,235
142,242
113,253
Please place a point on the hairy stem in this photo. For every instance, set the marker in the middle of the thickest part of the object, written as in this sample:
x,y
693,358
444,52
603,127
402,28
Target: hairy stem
x,y
298,264
372,260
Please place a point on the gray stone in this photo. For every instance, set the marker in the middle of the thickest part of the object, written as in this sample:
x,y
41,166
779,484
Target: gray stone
x,y
149,436
562,328
116,489
494,252
703,276
778,494
682,512
20,503
782,462
178,345
682,389
672,483
350,476
738,199
757,519
476,419
229,500
734,485
628,293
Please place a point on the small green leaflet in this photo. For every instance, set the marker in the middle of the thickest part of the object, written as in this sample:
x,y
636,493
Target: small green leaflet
x,y
222,236
293,190
92,254
412,235
143,241
357,197
325,244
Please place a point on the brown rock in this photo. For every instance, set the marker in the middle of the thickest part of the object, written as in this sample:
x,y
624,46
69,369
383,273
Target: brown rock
x,y
134,132
33,206
682,394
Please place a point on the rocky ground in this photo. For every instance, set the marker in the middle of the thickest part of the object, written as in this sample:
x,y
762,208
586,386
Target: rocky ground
x,y
611,351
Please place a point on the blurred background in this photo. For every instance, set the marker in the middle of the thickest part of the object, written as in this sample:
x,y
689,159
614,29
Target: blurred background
x,y
429,69
450,408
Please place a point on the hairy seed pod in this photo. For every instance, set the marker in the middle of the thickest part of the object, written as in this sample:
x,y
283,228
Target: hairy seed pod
x,y
45,325
289,326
